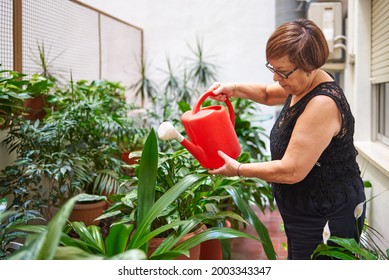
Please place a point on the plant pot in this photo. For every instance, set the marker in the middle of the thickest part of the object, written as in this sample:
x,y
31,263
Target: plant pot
x,y
35,108
212,249
88,212
129,160
194,252
109,201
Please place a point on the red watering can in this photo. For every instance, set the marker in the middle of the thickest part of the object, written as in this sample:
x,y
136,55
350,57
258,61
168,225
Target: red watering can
x,y
209,129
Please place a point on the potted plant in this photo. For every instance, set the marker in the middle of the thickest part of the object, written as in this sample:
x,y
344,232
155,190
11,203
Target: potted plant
x,y
90,117
197,200
10,238
125,240
75,150
39,88
130,141
370,246
43,242
12,96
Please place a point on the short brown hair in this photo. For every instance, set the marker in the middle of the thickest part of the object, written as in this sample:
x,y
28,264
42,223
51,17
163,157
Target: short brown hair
x,y
302,41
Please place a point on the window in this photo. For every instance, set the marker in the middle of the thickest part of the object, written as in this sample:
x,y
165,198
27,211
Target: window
x,y
380,68
383,113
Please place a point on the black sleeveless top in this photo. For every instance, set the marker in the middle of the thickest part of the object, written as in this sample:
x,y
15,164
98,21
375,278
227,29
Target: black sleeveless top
x,y
337,169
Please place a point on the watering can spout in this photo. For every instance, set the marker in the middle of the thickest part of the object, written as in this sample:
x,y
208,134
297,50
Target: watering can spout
x,y
167,131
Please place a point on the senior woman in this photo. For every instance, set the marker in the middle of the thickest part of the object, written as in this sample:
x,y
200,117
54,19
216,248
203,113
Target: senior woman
x,y
313,171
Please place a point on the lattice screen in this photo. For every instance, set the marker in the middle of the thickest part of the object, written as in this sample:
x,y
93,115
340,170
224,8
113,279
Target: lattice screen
x,y
69,35
6,29
121,49
76,41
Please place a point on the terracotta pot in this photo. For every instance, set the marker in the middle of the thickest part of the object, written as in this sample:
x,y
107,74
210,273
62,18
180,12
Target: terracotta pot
x,y
109,201
194,253
88,212
129,160
212,249
35,108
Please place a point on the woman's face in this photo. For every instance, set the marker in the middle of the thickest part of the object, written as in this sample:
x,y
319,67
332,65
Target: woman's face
x,y
296,82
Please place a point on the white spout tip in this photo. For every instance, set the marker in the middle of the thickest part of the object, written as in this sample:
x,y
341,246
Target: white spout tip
x,y
167,131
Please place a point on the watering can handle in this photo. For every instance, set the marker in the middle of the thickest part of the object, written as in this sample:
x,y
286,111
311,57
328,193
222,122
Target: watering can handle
x,y
196,107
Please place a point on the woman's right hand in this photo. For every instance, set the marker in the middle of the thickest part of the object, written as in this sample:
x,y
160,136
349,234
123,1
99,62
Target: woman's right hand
x,y
222,91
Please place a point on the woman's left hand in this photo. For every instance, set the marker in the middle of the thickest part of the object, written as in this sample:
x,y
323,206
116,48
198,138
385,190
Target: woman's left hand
x,y
230,167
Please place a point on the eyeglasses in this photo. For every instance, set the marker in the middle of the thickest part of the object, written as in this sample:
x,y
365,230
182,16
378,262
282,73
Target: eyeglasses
x,y
283,75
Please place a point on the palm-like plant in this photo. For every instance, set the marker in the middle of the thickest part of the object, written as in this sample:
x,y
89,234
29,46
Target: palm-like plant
x,y
45,62
201,72
144,87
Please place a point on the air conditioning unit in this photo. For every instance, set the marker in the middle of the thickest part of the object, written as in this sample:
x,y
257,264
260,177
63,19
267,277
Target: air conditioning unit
x,y
328,16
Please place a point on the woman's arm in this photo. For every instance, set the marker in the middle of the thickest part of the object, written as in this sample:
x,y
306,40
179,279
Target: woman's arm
x,y
313,132
268,94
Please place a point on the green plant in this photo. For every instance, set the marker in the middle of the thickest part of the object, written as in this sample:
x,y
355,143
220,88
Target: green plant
x,y
350,249
45,62
214,199
12,96
172,167
201,71
43,242
39,85
124,240
144,87
212,195
44,172
74,150
8,220
176,92
366,248
148,210
133,136
248,128
88,131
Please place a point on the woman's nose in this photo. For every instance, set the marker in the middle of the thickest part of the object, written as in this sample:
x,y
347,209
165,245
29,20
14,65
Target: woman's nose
x,y
276,77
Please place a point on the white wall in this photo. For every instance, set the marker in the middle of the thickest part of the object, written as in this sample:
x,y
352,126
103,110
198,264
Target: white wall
x,y
234,33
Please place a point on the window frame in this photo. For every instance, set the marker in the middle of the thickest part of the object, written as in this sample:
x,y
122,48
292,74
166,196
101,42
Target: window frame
x,y
381,92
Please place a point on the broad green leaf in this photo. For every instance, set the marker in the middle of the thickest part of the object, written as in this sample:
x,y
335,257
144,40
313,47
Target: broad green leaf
x,y
367,184
213,233
85,234
352,246
170,255
117,238
164,201
67,241
250,216
335,254
147,180
75,253
175,237
108,215
133,254
46,244
160,230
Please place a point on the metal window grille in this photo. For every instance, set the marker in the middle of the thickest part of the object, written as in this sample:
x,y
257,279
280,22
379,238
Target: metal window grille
x,y
6,31
75,40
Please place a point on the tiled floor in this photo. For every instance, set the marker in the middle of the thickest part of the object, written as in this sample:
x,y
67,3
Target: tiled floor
x,y
247,249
